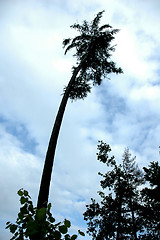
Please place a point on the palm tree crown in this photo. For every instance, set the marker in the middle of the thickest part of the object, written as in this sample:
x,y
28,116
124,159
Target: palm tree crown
x,y
93,51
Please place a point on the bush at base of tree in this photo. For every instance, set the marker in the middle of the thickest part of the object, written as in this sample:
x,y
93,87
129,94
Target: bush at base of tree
x,y
38,224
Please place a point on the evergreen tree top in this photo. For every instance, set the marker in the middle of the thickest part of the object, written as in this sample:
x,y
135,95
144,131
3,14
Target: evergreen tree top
x,y
93,52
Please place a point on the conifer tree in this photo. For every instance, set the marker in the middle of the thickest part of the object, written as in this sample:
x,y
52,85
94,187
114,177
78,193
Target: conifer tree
x,y
93,51
133,177
115,217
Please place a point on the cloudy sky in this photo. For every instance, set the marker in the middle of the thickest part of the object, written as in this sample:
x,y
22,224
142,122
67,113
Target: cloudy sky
x,y
123,111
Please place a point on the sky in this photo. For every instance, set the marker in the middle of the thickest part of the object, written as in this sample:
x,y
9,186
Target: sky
x,y
123,111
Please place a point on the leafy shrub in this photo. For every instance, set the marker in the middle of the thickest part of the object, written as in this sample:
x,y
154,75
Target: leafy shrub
x,y
38,224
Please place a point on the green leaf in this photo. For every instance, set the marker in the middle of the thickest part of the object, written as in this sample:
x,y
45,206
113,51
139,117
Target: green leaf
x,y
63,229
41,214
26,193
24,209
57,235
23,200
20,216
81,233
32,228
13,228
31,208
67,237
52,220
8,225
67,223
74,237
49,206
20,192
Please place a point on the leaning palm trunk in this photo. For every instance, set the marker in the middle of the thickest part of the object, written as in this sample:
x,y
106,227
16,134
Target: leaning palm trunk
x,y
47,171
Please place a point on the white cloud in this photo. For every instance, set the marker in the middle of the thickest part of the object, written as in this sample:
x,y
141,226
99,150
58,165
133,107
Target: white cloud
x,y
18,169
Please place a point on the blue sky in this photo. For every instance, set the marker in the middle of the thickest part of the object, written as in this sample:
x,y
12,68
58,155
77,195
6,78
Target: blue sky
x,y
123,111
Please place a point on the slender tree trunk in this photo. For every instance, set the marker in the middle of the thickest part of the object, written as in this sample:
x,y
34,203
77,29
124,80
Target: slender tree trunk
x,y
119,218
47,171
133,220
119,233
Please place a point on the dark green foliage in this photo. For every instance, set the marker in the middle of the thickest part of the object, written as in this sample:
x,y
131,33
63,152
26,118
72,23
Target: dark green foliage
x,y
150,210
93,49
125,211
116,216
38,224
103,154
80,88
152,174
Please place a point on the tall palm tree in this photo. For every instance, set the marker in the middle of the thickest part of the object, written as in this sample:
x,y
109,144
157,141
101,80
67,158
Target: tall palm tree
x,y
93,52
